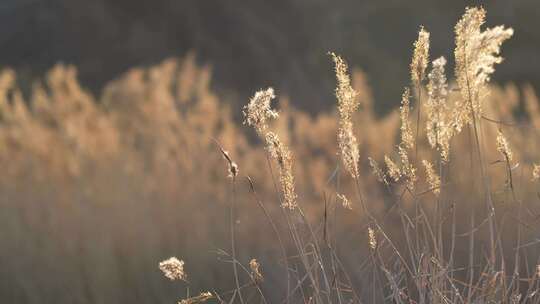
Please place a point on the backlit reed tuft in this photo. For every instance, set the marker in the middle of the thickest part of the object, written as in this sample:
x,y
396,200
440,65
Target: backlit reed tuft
x,y
504,147
281,154
232,167
173,269
256,114
420,58
233,170
372,239
536,172
344,201
439,126
392,168
476,54
256,274
201,298
407,138
377,171
258,111
407,168
347,99
433,178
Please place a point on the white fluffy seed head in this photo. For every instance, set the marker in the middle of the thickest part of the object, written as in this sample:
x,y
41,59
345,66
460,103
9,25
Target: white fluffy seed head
x,y
173,269
347,99
258,111
536,172
476,54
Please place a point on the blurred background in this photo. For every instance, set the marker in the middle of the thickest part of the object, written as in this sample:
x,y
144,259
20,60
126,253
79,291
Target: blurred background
x,y
255,43
107,110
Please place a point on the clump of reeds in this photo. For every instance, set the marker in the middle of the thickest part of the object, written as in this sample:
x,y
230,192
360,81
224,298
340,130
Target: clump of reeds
x,y
145,133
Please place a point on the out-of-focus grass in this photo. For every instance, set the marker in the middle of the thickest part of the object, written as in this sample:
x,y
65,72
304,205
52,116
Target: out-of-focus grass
x,y
95,191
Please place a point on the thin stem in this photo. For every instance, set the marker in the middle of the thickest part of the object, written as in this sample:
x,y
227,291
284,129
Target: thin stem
x,y
276,232
233,244
489,203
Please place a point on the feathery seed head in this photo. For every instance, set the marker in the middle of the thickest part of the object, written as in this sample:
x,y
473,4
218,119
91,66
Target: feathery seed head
x,y
407,139
420,57
347,99
393,169
536,172
377,171
279,152
407,169
504,147
233,170
476,54
348,147
433,179
232,167
439,127
173,269
258,111
201,298
256,274
372,238
344,201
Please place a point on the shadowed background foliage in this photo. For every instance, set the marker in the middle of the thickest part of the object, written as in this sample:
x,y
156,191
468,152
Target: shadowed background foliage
x,y
254,43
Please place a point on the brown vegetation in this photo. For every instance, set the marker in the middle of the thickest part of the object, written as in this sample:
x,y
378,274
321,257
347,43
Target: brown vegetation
x,y
96,191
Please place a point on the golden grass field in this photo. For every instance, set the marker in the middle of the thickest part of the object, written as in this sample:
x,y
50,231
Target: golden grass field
x,y
97,190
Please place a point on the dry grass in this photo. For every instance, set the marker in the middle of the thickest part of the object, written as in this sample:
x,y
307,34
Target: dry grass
x,y
98,190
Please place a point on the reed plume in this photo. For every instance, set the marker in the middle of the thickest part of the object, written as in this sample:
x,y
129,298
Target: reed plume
x,y
536,172
420,58
232,167
283,157
504,147
392,168
372,239
433,178
173,268
407,138
438,126
201,298
476,54
347,99
407,168
256,274
257,113
377,171
344,201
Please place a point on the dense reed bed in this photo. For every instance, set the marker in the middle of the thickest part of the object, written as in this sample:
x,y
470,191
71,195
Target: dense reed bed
x,y
436,202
